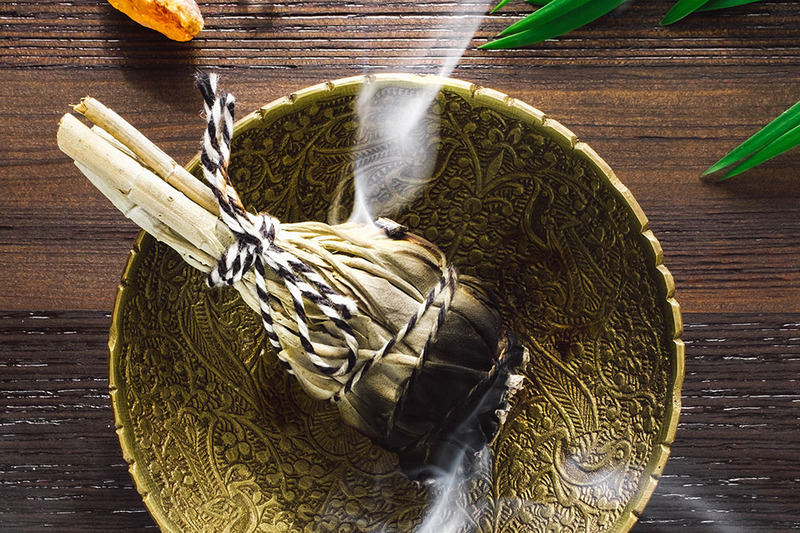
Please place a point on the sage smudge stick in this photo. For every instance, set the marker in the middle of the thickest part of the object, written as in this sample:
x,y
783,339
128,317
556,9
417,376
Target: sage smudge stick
x,y
371,318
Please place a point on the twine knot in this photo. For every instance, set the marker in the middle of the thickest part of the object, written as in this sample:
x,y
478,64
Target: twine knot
x,y
255,245
258,238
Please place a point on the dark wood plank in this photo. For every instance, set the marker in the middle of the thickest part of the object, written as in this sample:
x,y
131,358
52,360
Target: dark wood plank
x,y
61,467
336,35
734,464
733,468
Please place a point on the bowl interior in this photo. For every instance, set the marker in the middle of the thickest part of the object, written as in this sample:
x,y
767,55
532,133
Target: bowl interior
x,y
220,439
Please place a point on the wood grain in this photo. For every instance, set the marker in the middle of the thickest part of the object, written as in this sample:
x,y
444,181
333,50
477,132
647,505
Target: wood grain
x,y
734,465
60,467
337,35
733,468
659,104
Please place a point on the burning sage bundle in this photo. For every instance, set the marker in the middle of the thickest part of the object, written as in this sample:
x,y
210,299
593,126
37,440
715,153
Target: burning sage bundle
x,y
371,318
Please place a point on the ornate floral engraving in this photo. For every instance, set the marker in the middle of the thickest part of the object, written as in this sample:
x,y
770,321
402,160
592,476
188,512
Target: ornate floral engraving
x,y
222,440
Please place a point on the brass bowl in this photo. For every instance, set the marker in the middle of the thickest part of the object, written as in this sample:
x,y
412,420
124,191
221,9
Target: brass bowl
x,y
220,439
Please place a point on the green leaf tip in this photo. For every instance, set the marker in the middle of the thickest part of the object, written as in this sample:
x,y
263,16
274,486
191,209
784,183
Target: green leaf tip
x,y
762,140
716,167
553,10
498,6
565,22
784,143
681,10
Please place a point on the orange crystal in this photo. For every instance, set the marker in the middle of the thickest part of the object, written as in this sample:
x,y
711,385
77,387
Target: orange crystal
x,y
180,20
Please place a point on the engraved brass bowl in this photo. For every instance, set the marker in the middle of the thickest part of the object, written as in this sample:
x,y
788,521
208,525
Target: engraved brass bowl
x,y
220,439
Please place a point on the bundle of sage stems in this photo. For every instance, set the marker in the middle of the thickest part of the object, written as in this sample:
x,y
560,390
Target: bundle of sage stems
x,y
430,392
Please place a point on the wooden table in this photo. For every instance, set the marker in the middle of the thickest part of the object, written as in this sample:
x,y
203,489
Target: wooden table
x,y
659,105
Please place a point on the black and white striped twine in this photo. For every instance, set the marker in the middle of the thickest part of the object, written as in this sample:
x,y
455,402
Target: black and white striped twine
x,y
255,248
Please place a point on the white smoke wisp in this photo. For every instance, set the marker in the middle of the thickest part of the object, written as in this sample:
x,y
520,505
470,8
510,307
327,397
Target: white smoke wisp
x,y
398,127
450,510
617,482
398,147
455,503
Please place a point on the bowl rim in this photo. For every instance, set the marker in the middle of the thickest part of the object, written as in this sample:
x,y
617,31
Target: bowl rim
x,y
351,85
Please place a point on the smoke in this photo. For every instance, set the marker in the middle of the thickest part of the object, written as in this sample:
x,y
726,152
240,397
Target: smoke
x,y
451,510
401,136
466,460
397,127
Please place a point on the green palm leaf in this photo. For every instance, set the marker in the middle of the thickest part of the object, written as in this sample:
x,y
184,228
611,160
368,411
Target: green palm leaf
x,y
532,2
681,9
548,13
782,144
498,6
722,4
776,130
557,17
568,20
